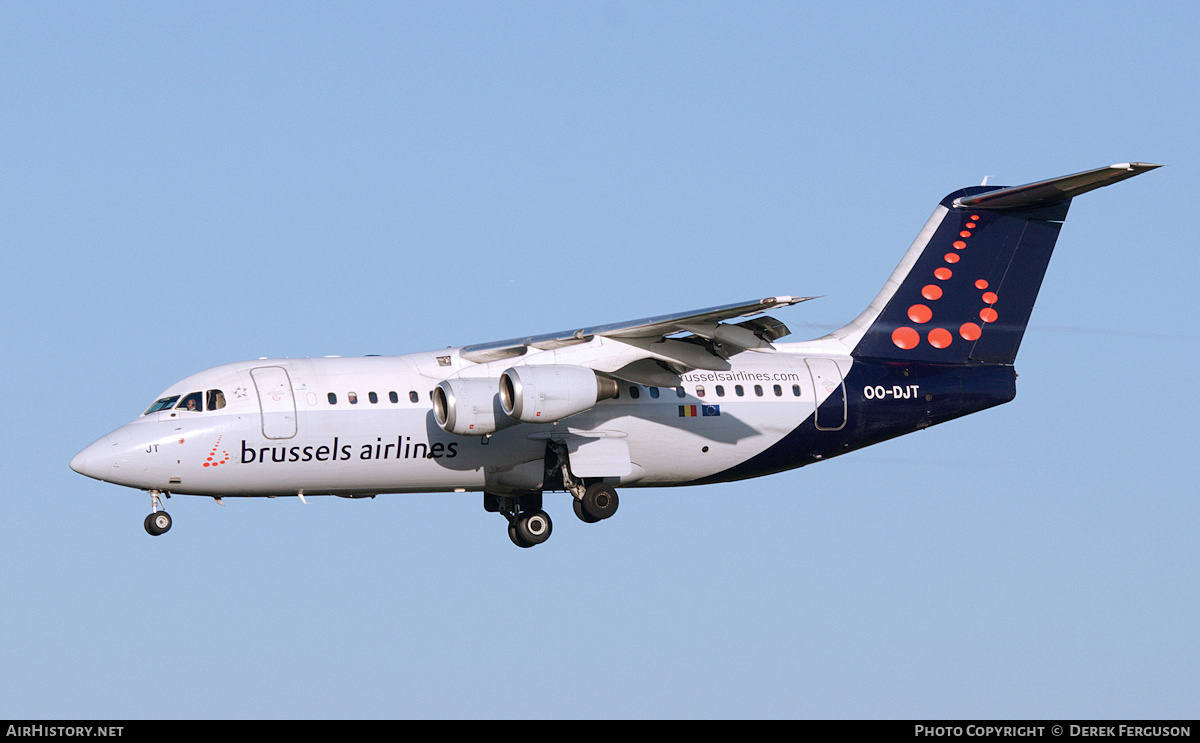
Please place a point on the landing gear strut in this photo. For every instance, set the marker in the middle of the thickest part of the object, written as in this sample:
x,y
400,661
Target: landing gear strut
x,y
592,503
159,521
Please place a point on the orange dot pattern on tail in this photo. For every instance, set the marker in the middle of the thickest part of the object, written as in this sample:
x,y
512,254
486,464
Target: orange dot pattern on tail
x,y
909,338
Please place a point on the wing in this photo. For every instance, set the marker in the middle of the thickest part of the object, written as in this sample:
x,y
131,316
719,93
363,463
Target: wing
x,y
706,342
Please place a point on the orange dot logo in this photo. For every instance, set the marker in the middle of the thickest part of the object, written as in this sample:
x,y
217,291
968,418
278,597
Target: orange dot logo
x,y
212,460
932,292
906,338
940,338
987,314
970,331
965,233
981,284
919,313
951,257
943,273
990,297
959,244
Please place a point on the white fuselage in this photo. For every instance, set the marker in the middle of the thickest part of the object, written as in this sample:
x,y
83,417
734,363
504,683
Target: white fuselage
x,y
362,426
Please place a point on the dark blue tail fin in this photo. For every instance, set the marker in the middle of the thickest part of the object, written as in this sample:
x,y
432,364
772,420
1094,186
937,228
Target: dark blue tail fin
x,y
965,289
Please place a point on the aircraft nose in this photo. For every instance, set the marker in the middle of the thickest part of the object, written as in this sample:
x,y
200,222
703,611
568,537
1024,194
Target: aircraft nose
x,y
96,460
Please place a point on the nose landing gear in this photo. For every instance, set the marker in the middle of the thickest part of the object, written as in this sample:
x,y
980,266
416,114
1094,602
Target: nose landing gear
x,y
159,521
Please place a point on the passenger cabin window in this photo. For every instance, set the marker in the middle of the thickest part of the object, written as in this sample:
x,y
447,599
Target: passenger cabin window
x,y
333,398
216,399
634,392
413,397
654,392
393,396
679,392
165,403
191,402
372,397
352,398
758,390
720,391
699,390
796,390
739,390
778,391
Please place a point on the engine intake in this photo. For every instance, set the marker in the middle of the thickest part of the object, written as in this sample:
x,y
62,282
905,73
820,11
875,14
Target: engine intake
x,y
544,394
469,407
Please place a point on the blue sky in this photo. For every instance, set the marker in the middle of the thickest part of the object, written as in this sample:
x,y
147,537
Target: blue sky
x,y
187,185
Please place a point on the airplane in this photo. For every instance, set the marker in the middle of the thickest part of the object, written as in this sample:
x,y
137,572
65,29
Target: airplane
x,y
680,399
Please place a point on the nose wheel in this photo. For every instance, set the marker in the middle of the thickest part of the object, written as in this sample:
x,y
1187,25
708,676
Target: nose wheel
x,y
159,521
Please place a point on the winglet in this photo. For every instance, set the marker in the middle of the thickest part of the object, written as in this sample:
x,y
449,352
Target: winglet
x,y
1055,190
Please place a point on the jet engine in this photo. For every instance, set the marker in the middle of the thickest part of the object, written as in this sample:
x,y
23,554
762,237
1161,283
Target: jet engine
x,y
544,394
469,407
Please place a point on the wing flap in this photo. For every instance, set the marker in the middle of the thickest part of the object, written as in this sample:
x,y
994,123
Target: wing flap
x,y
654,329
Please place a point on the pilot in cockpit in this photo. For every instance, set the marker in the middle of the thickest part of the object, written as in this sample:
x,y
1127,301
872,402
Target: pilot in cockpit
x,y
192,403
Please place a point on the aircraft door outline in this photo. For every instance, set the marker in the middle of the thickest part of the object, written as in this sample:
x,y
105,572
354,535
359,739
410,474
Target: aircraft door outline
x,y
276,402
827,376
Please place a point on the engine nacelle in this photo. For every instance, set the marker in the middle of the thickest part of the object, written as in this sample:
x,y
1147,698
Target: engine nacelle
x,y
469,407
544,394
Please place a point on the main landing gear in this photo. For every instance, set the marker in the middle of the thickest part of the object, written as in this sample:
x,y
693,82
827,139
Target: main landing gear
x,y
598,502
594,502
528,524
528,529
159,521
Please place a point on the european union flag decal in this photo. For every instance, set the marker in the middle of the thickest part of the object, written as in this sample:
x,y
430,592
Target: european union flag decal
x,y
695,411
711,410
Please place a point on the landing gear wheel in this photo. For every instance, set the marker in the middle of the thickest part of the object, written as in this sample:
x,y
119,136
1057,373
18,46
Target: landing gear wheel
x,y
599,502
531,528
534,527
578,506
157,523
515,537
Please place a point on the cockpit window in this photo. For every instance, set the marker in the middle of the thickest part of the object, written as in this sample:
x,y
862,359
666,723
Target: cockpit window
x,y
191,402
163,404
216,399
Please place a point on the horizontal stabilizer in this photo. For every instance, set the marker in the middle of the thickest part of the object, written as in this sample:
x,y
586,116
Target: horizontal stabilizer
x,y
1055,190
